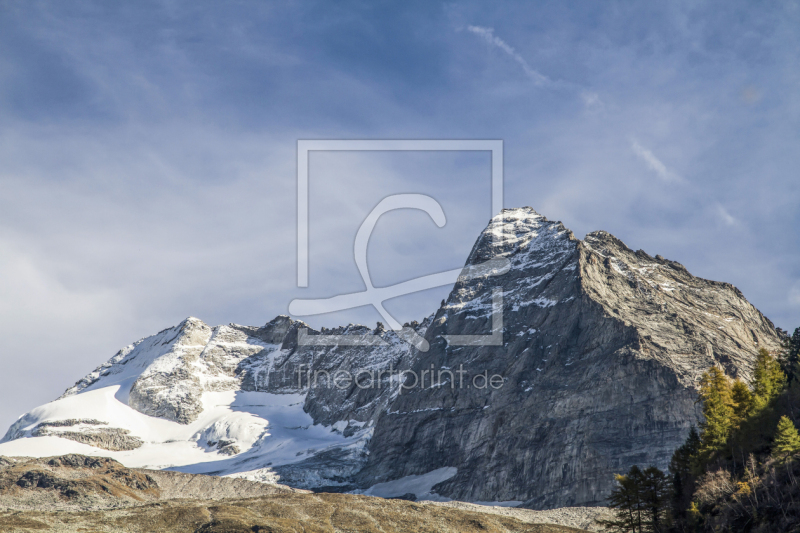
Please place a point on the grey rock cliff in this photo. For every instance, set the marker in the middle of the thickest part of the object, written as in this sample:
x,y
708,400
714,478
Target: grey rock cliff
x,y
602,349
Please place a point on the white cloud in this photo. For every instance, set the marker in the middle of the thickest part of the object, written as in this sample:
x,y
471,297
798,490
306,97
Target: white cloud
x,y
726,217
654,163
488,35
591,99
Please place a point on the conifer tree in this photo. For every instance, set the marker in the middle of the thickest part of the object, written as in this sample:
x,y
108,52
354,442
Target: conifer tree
x,y
715,393
791,357
742,430
682,468
655,498
742,402
768,380
787,440
626,499
641,502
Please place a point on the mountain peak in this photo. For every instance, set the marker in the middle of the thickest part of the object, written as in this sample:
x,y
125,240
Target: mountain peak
x,y
599,352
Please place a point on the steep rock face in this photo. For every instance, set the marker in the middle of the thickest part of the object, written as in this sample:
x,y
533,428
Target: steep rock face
x,y
601,351
327,374
169,388
274,370
677,315
375,372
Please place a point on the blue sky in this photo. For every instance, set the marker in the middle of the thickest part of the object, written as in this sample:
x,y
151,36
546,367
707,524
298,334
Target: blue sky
x,y
148,153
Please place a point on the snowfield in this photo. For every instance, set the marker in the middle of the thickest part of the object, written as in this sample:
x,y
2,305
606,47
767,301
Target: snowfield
x,y
269,429
175,401
190,376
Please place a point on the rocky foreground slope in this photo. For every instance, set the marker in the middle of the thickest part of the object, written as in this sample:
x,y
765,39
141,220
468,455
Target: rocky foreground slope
x,y
596,362
75,493
79,482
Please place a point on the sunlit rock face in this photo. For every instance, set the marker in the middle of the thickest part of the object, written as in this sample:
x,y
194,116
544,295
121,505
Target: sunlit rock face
x,y
602,350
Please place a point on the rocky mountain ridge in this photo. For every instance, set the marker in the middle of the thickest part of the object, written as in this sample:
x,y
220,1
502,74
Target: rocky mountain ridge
x,y
601,350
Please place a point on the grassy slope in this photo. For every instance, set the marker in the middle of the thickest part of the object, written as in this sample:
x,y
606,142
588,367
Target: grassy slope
x,y
305,513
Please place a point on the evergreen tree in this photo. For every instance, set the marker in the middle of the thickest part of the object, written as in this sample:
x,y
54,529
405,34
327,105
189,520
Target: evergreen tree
x,y
742,430
790,363
768,380
655,499
682,468
715,393
787,440
641,501
742,402
791,356
786,348
627,501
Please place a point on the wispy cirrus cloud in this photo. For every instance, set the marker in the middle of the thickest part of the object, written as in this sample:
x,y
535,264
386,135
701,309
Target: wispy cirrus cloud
x,y
590,98
654,163
487,34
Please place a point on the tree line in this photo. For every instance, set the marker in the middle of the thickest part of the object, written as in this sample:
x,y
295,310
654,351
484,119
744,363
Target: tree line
x,y
736,472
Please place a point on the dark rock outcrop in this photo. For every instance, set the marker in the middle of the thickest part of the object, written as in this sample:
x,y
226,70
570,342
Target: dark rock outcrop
x,y
112,439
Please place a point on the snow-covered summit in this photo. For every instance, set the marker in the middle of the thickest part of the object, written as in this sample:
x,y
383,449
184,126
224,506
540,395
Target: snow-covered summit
x,y
191,397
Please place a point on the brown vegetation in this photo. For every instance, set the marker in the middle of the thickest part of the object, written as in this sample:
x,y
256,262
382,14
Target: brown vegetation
x,y
292,512
75,493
